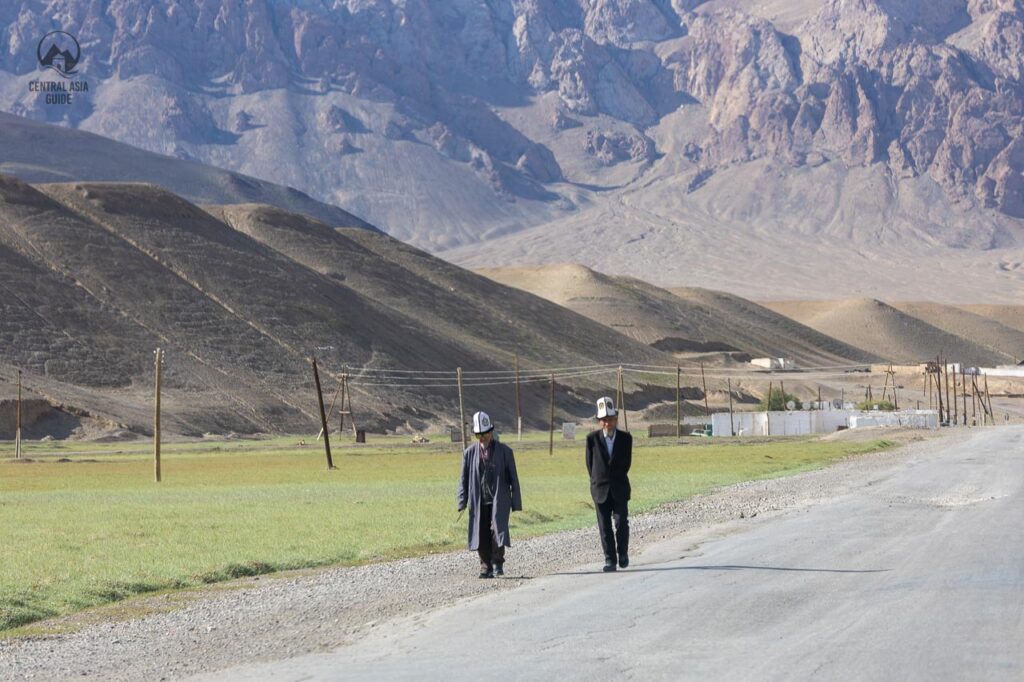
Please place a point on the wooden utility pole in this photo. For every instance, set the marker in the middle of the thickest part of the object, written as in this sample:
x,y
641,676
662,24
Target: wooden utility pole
x,y
768,412
17,422
938,386
462,410
622,400
157,371
618,388
679,403
963,382
979,398
341,408
340,392
345,409
819,397
989,396
551,424
519,405
981,401
949,409
704,384
732,425
942,387
956,400
989,417
346,406
323,415
974,400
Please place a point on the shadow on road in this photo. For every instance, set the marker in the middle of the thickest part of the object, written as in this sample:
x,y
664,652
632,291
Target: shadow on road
x,y
732,568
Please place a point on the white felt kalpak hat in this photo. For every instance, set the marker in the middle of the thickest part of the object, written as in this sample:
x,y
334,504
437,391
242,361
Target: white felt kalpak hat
x,y
482,423
605,408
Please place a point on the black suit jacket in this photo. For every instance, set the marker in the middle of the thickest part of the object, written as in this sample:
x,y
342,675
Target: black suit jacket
x,y
608,476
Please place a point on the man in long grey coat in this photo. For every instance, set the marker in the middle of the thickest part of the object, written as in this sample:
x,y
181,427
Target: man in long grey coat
x,y
489,486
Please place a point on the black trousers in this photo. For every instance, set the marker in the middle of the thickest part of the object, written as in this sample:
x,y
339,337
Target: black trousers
x,y
614,543
490,551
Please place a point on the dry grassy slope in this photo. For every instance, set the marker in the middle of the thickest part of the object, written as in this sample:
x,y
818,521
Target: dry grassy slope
x,y
165,272
772,334
117,304
681,320
885,331
1007,315
492,319
982,330
289,308
98,411
96,275
38,152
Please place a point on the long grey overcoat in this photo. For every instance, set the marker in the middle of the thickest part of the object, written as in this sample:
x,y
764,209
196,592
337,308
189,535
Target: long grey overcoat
x,y
507,498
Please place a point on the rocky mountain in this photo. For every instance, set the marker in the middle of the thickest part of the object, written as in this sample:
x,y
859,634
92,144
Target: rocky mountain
x,y
831,141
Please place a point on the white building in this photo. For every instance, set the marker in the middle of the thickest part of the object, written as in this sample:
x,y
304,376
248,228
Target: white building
x,y
773,363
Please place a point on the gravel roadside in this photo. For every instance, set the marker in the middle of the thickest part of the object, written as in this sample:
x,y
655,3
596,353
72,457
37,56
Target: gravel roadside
x,y
279,617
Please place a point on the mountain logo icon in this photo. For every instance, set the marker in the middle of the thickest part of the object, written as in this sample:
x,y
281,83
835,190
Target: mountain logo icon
x,y
59,50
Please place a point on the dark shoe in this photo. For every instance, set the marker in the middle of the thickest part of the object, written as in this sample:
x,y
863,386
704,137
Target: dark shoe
x,y
609,566
499,570
623,560
487,574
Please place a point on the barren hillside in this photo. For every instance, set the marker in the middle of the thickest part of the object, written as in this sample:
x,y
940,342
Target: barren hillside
x,y
97,275
892,333
678,320
996,334
1006,315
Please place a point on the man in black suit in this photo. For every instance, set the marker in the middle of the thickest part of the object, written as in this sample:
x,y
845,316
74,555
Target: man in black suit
x,y
609,455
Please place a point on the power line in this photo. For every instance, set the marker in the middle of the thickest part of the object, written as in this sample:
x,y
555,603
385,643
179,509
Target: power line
x,y
414,378
489,381
745,369
546,371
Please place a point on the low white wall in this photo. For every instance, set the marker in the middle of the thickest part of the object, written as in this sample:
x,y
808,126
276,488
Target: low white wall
x,y
1016,372
795,423
800,423
918,419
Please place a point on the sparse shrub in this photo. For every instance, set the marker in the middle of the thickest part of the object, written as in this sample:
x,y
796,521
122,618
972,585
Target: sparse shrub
x,y
883,405
778,401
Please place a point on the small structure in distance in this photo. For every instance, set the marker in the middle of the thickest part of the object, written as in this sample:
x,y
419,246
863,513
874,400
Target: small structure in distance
x,y
773,363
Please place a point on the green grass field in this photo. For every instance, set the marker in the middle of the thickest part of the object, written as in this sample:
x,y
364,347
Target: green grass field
x,y
97,529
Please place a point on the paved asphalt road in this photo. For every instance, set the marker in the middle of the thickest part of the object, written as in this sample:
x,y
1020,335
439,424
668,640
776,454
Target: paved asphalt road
x,y
916,575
